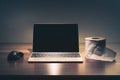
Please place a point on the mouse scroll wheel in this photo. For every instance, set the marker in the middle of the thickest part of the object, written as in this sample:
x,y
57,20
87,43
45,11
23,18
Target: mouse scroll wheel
x,y
14,53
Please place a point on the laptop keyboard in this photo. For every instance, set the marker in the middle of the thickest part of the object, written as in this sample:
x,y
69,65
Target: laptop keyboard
x,y
55,55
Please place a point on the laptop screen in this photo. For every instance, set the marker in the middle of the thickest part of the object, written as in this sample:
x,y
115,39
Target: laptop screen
x,y
55,38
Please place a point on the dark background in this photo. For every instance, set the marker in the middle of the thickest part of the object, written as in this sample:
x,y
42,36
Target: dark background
x,y
95,18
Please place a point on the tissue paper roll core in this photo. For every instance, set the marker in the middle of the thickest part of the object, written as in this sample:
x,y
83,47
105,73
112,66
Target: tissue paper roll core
x,y
95,45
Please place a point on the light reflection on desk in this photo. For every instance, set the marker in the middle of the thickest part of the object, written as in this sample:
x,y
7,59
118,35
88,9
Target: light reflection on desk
x,y
54,68
64,68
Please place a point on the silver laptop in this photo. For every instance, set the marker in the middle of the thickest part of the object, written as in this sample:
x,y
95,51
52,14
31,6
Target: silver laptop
x,y
55,43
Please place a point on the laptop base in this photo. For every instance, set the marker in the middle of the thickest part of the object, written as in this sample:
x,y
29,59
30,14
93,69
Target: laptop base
x,y
55,57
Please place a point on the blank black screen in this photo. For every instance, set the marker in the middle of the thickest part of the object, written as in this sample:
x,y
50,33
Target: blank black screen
x,y
55,38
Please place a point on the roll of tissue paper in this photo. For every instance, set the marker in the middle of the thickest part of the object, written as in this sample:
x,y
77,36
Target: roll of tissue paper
x,y
95,48
95,45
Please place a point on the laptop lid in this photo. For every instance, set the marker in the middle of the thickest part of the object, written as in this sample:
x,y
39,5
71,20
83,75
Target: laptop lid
x,y
55,38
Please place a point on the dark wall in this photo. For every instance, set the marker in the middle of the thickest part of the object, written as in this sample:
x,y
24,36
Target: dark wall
x,y
95,17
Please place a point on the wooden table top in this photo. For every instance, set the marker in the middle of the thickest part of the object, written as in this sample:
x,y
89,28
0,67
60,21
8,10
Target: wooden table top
x,y
88,67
